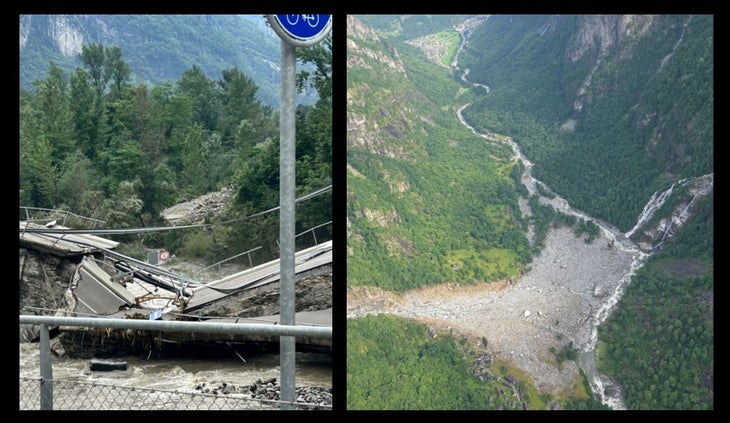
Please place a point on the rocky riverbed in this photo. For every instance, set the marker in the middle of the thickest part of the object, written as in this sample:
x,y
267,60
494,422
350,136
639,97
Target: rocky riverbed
x,y
524,321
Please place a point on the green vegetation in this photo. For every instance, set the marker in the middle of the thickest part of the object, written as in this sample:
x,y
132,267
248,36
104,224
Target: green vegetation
x,y
659,343
446,209
569,352
430,203
396,28
646,116
405,369
588,402
453,40
99,146
160,48
410,367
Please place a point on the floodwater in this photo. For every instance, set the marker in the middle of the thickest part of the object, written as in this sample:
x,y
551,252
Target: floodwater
x,y
179,374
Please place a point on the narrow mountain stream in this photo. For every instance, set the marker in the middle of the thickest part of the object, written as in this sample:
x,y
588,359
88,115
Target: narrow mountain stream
x,y
608,392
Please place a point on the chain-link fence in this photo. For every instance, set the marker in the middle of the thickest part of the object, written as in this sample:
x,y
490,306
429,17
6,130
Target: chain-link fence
x,y
76,395
45,392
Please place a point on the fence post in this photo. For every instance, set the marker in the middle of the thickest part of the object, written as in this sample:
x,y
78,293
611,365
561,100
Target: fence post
x,y
46,370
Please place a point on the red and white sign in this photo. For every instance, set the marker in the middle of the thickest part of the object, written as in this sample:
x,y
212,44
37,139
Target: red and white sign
x,y
163,255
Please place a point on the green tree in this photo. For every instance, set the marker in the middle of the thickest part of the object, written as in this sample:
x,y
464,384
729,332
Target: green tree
x,y
85,118
124,158
238,102
117,69
123,208
38,174
77,178
319,55
194,85
194,161
55,116
93,58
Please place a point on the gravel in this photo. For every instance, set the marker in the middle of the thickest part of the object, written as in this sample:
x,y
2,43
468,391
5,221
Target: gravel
x,y
551,305
196,210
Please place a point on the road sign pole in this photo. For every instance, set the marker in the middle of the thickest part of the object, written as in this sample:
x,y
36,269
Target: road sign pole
x,y
295,31
287,183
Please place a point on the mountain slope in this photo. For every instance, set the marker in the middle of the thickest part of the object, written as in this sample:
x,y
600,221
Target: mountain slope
x,y
599,103
428,201
617,113
157,47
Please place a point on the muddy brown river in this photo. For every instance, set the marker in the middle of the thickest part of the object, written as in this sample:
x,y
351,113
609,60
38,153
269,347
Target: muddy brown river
x,y
155,379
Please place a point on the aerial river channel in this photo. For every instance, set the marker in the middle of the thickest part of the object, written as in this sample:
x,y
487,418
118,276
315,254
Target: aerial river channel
x,y
607,391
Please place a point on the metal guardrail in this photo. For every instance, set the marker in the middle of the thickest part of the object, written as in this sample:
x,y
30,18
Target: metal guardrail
x,y
312,231
177,326
250,262
46,379
53,212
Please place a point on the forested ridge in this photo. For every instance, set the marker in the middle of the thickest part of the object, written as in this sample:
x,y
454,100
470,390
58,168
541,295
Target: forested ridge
x,y
443,372
96,144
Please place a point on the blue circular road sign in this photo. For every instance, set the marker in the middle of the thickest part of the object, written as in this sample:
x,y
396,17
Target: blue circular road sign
x,y
301,30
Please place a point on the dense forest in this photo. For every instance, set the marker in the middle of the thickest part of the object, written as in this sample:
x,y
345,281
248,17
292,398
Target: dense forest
x,y
411,367
99,146
628,108
659,344
437,366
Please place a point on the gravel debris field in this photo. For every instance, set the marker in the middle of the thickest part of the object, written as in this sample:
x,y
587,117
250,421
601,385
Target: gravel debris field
x,y
550,306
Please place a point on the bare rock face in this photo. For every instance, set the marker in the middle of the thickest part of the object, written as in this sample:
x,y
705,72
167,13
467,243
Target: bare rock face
x,y
360,30
67,38
368,53
655,229
606,31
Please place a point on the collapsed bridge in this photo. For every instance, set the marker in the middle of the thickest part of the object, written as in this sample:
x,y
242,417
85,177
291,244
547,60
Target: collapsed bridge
x,y
108,284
